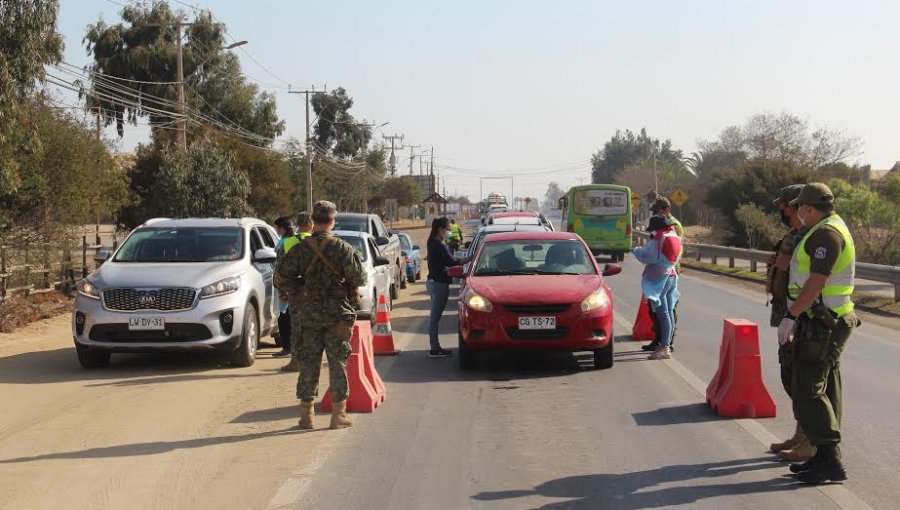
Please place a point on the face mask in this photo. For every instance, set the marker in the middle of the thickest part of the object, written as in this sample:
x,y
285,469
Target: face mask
x,y
800,217
447,234
785,218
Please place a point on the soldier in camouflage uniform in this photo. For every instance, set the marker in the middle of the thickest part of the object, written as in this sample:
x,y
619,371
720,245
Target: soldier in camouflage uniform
x,y
322,275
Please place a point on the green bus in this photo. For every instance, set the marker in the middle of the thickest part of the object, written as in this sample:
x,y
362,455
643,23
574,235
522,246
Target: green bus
x,y
601,215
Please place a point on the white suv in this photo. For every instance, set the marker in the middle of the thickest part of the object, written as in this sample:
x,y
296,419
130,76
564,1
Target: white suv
x,y
180,285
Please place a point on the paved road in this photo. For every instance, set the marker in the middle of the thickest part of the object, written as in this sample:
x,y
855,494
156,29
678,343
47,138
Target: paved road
x,y
524,431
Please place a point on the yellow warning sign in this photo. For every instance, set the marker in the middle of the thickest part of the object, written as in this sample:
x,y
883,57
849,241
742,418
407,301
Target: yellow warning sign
x,y
678,197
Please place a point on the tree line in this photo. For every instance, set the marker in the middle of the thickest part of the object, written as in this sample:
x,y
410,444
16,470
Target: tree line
x,y
733,179
57,172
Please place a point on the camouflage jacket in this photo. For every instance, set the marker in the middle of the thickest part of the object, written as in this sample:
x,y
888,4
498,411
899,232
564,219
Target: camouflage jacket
x,y
315,290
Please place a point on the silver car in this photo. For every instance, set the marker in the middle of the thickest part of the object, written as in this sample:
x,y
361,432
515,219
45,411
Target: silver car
x,y
378,268
180,285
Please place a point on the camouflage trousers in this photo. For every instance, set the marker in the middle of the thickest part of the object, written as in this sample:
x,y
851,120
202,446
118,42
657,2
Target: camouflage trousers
x,y
334,340
296,334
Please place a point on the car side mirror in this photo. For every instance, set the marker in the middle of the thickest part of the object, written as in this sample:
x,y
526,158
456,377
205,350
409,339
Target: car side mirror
x,y
416,247
102,256
456,272
382,241
381,261
265,256
611,269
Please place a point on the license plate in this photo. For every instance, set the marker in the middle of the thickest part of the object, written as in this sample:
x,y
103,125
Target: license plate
x,y
146,323
537,322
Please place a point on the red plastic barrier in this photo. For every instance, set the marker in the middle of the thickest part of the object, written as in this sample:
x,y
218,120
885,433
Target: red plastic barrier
x,y
643,325
737,389
383,335
367,390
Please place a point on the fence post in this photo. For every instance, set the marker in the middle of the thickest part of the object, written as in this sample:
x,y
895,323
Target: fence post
x,y
27,268
2,273
46,269
84,271
731,262
752,266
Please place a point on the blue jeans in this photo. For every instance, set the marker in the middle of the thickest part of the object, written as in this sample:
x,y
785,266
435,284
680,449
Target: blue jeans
x,y
440,293
665,312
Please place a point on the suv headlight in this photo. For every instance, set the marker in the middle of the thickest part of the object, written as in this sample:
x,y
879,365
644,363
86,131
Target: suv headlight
x,y
477,302
597,299
88,289
220,288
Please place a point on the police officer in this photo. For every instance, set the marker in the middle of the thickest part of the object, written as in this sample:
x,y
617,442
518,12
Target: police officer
x,y
304,230
455,236
322,275
798,447
820,318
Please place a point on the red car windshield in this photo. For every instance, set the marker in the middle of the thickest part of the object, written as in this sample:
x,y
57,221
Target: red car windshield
x,y
534,257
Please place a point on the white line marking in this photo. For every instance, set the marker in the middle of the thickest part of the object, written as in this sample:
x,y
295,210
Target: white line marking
x,y
838,494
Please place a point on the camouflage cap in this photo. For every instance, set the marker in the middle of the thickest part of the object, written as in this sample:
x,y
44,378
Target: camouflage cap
x,y
660,204
787,194
814,193
323,211
659,222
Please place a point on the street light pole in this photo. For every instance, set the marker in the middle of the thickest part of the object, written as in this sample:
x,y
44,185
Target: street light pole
x,y
179,70
309,152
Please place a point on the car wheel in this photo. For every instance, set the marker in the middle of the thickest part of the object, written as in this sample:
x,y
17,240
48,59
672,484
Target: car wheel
x,y
245,354
467,359
603,358
395,291
91,358
402,278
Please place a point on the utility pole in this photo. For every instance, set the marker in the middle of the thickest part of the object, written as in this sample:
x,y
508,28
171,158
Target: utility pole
x,y
309,151
179,70
393,159
412,157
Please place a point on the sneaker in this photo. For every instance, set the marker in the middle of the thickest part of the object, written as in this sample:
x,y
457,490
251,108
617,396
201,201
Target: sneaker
x,y
661,353
439,353
282,354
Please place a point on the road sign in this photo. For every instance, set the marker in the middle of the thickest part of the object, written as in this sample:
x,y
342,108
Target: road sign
x,y
679,197
635,199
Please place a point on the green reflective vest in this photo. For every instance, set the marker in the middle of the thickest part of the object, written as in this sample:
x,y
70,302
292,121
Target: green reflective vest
x,y
456,233
294,240
838,290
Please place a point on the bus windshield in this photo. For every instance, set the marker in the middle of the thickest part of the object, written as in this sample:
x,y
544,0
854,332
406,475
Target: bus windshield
x,y
601,202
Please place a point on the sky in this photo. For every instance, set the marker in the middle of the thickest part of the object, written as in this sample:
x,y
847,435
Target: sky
x,y
533,89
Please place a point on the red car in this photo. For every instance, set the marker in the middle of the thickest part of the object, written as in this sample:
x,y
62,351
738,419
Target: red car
x,y
535,290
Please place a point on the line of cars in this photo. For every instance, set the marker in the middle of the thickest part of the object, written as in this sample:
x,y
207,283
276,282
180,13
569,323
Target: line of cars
x,y
530,287
207,284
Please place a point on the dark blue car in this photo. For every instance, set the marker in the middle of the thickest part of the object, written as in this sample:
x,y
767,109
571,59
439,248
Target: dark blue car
x,y
413,254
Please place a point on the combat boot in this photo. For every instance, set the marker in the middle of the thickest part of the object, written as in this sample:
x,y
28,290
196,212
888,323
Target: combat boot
x,y
292,366
803,451
306,415
828,468
790,443
339,418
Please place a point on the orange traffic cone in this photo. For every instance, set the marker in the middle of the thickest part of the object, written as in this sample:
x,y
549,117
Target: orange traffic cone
x,y
382,334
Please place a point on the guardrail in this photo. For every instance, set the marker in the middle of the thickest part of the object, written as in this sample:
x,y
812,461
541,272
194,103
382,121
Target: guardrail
x,y
874,272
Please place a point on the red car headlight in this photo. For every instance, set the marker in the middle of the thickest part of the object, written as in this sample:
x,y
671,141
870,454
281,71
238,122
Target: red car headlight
x,y
597,299
477,302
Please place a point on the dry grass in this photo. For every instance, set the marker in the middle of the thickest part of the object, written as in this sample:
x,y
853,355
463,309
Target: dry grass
x,y
19,311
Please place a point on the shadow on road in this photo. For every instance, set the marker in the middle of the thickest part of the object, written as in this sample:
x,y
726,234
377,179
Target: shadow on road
x,y
274,414
632,491
154,448
61,365
677,415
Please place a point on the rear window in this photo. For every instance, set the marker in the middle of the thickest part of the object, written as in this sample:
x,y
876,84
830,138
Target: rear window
x,y
404,243
351,224
534,257
358,244
195,244
601,202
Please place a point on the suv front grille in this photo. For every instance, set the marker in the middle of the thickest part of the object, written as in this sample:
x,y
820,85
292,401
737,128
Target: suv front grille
x,y
165,300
